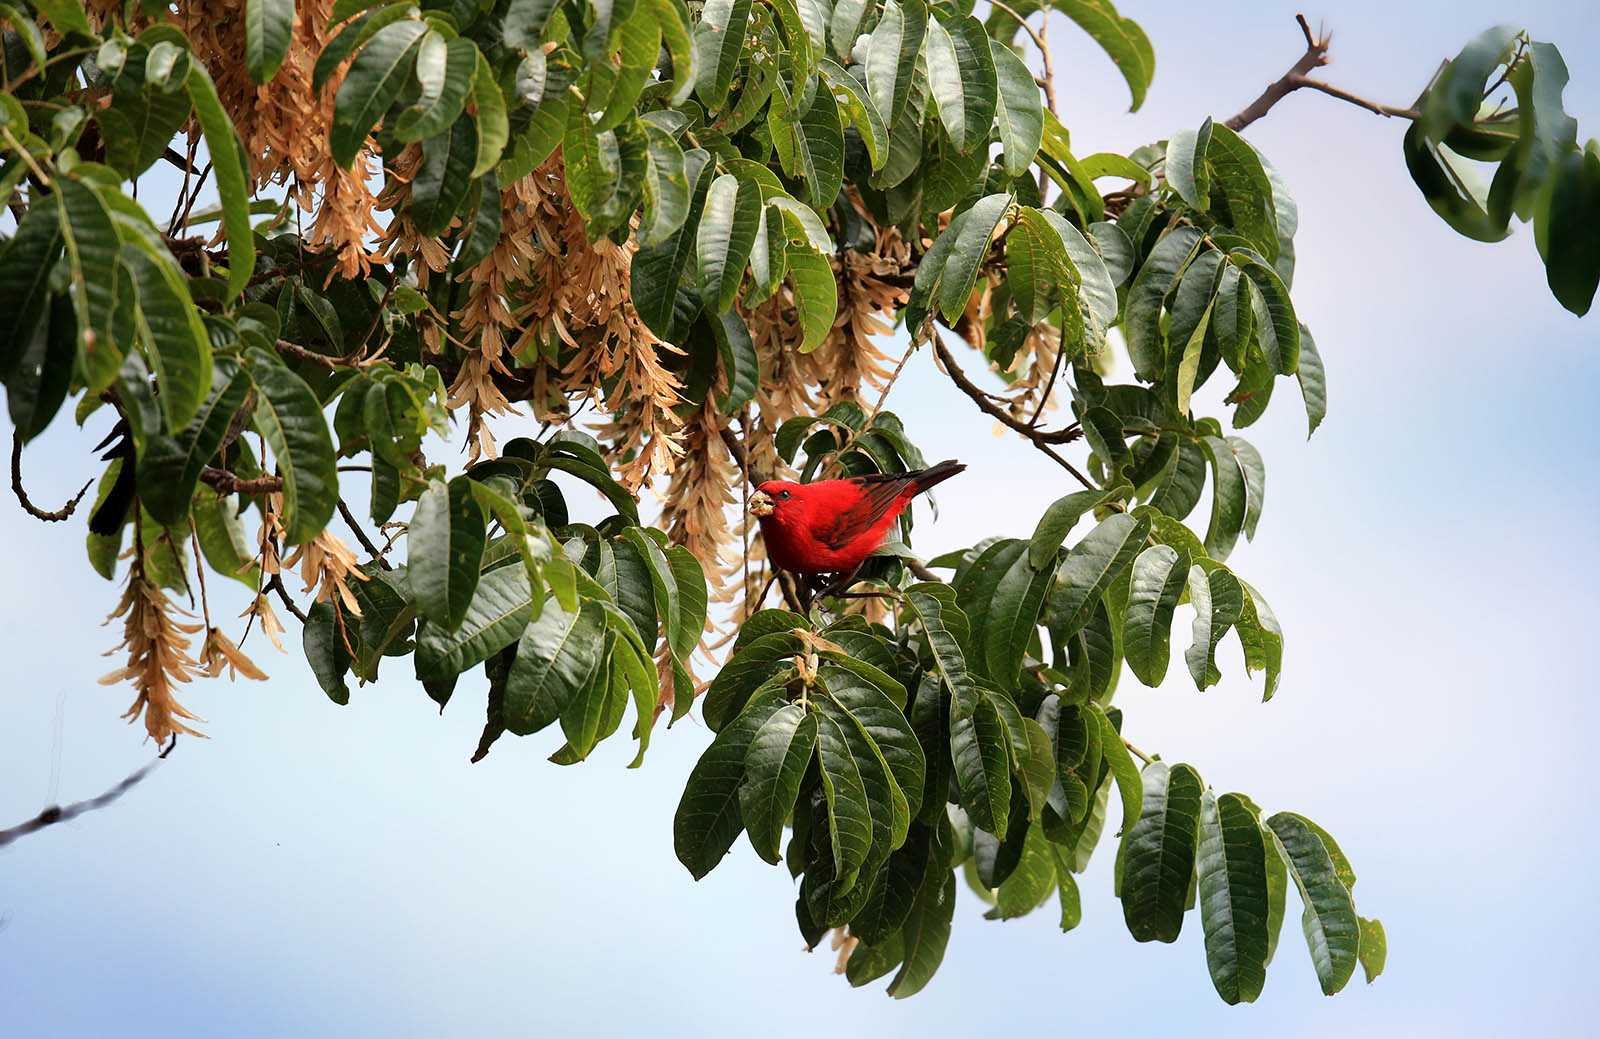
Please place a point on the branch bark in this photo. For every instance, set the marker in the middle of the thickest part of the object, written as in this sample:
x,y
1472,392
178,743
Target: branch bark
x,y
225,482
1296,78
22,495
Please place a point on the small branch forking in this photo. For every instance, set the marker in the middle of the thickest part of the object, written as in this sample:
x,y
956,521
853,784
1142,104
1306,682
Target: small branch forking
x,y
22,495
1297,77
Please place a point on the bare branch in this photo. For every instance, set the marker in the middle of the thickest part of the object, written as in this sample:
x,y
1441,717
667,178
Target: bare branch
x,y
1316,56
59,814
22,495
361,536
225,482
276,585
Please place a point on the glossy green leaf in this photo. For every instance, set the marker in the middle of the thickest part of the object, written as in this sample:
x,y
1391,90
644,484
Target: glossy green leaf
x,y
1141,325
496,617
289,418
1160,574
816,295
1093,563
66,15
170,468
855,102
1218,601
718,44
375,80
1242,195
557,654
774,764
1232,869
1230,498
1313,382
445,71
727,232
1374,949
892,56
946,628
1568,217
961,78
444,549
1158,853
709,819
354,33
889,730
1130,784
1332,929
925,935
176,342
849,812
1020,115
267,28
1009,615
26,261
101,293
1283,347
1121,38
968,251
494,124
978,748
1186,169
524,23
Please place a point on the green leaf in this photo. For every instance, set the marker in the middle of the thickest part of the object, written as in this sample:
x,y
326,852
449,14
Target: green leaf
x,y
353,35
816,295
1567,218
1160,574
444,549
854,102
946,628
557,655
268,25
889,730
1313,382
1242,195
1374,948
170,467
658,270
101,293
376,78
978,748
523,27
709,818
1033,880
849,812
1158,853
774,764
666,187
1121,38
1142,317
1010,611
289,418
1449,187
725,237
1186,170
925,934
845,26
718,44
1218,601
892,56
1056,523
1332,929
752,665
494,125
1230,499
323,643
444,179
967,253
66,15
1130,784
26,261
641,43
1232,867
497,615
1093,564
1021,117
961,78
741,366
445,71
1040,271
1284,352
673,17
684,632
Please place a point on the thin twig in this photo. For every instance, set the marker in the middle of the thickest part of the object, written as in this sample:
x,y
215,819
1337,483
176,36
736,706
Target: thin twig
x,y
1136,752
361,536
276,585
22,495
920,568
200,570
225,482
1048,80
59,814
1316,56
1038,438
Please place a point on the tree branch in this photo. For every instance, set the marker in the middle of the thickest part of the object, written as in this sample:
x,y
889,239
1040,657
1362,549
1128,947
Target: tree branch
x,y
225,482
276,585
22,495
1316,56
58,814
1039,438
361,536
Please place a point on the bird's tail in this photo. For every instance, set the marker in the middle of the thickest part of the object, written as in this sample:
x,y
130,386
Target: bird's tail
x,y
935,474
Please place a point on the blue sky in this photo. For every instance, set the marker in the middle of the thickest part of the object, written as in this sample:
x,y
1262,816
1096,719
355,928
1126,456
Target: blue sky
x,y
323,870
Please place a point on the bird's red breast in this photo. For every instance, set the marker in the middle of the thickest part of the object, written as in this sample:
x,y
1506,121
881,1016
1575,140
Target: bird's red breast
x,y
830,526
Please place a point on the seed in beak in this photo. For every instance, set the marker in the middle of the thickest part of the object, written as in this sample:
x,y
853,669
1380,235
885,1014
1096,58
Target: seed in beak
x,y
760,504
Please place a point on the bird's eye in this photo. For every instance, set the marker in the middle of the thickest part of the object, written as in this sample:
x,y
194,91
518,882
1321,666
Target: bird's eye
x,y
784,495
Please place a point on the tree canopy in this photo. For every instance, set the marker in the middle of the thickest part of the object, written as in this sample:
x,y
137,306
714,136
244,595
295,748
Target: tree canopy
x,y
678,237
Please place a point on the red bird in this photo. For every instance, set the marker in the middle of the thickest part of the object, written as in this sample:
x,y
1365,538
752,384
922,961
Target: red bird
x,y
830,526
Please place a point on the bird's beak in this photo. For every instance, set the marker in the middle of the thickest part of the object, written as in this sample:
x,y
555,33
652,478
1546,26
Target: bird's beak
x,y
761,504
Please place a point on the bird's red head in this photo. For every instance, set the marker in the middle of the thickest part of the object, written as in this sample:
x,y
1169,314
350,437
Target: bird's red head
x,y
770,496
